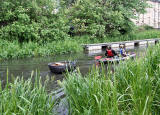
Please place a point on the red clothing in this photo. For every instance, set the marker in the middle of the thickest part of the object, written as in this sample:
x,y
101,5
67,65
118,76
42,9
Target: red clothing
x,y
110,53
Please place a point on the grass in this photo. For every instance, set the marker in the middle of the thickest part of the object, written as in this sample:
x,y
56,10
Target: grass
x,y
23,97
133,88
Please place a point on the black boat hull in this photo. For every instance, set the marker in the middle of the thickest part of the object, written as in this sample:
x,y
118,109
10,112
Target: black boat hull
x,y
58,69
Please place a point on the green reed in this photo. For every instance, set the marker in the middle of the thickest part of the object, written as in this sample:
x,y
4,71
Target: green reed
x,y
23,97
134,88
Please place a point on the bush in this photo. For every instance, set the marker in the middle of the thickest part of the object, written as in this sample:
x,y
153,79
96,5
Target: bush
x,y
145,27
100,18
32,21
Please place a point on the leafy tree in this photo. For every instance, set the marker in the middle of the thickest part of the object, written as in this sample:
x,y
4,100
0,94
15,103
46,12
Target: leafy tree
x,y
104,17
31,20
35,20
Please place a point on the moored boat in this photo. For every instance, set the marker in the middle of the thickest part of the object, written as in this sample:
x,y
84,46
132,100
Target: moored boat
x,y
60,67
116,58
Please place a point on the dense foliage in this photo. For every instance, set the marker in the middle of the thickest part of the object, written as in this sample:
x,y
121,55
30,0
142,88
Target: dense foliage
x,y
31,20
101,17
37,20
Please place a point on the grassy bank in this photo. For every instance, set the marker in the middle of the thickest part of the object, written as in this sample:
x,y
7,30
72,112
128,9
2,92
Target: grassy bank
x,y
137,35
23,97
134,88
32,49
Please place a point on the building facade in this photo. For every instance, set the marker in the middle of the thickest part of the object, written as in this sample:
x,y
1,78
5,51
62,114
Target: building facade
x,y
152,15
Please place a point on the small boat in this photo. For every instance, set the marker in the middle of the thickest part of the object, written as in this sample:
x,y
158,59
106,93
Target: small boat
x,y
60,67
114,59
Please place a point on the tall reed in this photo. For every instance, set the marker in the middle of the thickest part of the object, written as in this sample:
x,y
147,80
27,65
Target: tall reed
x,y
134,88
23,97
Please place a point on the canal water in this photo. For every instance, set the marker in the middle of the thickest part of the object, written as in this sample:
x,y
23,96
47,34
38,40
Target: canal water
x,y
24,67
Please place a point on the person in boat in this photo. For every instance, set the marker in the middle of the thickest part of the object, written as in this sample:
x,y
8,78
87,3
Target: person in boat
x,y
122,51
110,52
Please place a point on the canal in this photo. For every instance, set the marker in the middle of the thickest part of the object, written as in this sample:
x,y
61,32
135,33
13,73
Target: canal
x,y
24,67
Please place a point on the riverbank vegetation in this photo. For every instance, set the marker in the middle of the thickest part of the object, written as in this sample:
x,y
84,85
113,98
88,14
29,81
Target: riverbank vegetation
x,y
133,88
16,50
25,97
39,28
136,35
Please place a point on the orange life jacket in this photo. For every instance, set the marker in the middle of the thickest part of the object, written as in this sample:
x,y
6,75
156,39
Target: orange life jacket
x,y
109,52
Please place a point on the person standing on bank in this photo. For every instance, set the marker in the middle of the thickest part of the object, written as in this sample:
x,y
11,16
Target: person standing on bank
x,y
110,53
